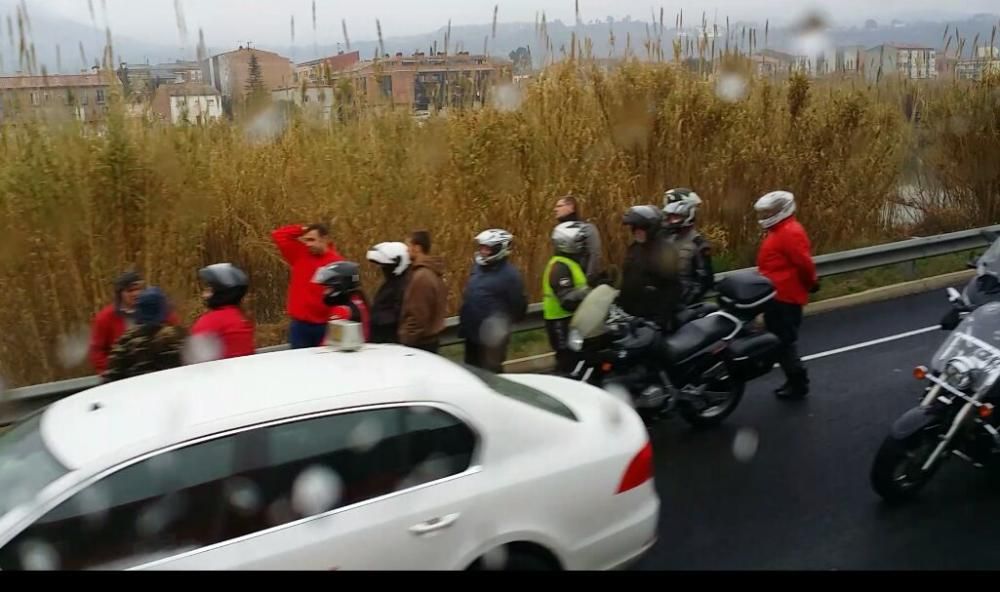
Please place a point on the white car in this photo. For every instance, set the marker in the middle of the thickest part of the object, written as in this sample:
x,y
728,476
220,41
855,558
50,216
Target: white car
x,y
385,458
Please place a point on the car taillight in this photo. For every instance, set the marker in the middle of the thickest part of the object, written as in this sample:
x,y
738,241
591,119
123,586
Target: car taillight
x,y
639,470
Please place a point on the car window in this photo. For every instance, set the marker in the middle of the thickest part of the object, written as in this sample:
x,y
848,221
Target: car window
x,y
26,465
312,466
164,505
523,393
243,483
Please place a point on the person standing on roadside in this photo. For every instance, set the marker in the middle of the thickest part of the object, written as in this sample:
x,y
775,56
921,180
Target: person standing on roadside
x,y
785,258
493,301
116,318
306,249
697,276
153,344
564,286
342,293
651,285
567,209
223,288
394,261
425,300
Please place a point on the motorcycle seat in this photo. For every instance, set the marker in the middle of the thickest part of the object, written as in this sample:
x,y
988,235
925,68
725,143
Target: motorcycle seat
x,y
696,336
696,311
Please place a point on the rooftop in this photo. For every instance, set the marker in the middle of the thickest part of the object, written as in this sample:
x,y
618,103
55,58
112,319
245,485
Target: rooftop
x,y
52,81
902,46
246,49
124,419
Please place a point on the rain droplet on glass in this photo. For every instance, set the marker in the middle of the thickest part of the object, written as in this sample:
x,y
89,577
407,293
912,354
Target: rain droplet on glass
x,y
745,444
316,490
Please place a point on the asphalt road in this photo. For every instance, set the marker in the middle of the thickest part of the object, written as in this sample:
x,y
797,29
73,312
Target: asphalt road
x,y
803,501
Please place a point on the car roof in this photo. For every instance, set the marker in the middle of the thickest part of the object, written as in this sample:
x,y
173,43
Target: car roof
x,y
148,412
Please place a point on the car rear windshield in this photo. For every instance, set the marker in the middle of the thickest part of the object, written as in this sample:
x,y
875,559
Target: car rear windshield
x,y
522,393
26,465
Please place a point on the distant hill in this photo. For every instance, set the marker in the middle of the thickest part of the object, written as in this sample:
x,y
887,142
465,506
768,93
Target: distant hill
x,y
510,36
48,33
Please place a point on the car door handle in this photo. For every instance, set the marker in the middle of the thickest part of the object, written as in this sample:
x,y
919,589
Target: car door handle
x,y
434,524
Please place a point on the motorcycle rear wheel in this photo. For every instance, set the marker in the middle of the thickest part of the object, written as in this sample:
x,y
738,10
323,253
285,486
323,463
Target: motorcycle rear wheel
x,y
896,473
715,412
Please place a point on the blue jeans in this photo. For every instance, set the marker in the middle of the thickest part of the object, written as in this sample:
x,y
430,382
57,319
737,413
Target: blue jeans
x,y
303,335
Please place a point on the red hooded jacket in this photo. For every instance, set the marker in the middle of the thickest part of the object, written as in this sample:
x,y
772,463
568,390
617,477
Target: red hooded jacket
x,y
108,326
785,258
305,299
233,330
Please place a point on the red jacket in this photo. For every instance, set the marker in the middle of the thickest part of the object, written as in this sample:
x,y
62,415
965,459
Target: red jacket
x,y
107,327
233,330
363,315
305,299
785,259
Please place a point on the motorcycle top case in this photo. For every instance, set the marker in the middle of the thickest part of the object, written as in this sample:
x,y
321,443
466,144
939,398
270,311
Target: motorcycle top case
x,y
745,293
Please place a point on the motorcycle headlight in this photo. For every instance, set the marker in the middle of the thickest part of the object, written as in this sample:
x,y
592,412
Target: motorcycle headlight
x,y
575,341
959,373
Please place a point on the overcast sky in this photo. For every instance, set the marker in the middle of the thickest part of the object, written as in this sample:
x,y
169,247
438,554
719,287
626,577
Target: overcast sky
x,y
228,22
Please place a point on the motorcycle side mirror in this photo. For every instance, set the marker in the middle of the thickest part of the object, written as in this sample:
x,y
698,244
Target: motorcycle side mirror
x,y
954,295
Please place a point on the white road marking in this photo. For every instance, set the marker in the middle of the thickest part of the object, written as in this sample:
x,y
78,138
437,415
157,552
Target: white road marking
x,y
809,358
880,341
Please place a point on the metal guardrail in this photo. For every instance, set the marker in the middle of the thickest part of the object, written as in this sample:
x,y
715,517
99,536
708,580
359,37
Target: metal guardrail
x,y
827,265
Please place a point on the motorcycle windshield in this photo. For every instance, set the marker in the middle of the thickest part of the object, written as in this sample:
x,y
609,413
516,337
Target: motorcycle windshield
x,y
591,316
989,263
976,337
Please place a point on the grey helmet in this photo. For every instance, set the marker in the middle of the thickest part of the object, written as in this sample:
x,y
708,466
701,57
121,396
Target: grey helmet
x,y
680,202
570,238
774,207
648,218
498,240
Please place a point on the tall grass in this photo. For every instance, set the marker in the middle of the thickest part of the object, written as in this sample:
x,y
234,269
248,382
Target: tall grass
x,y
77,207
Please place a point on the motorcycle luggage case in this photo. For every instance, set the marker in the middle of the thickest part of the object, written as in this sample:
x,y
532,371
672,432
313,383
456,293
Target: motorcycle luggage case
x,y
754,355
745,293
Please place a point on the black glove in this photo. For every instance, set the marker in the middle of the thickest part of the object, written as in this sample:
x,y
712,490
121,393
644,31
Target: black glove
x,y
815,288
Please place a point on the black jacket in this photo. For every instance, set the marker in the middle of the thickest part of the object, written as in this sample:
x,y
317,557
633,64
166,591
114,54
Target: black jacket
x,y
386,308
651,286
492,290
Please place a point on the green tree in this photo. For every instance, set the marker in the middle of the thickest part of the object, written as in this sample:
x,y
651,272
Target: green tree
x,y
522,60
256,91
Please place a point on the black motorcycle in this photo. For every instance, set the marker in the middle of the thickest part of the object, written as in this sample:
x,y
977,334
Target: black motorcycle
x,y
700,371
956,414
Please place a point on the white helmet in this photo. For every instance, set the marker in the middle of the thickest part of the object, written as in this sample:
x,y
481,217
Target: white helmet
x,y
570,237
395,254
774,207
681,202
498,240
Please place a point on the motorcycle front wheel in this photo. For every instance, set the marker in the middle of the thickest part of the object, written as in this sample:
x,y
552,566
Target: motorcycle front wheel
x,y
720,399
896,474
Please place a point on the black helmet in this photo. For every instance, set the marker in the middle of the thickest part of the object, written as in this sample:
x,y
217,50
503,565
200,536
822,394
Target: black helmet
x,y
649,218
339,278
229,284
